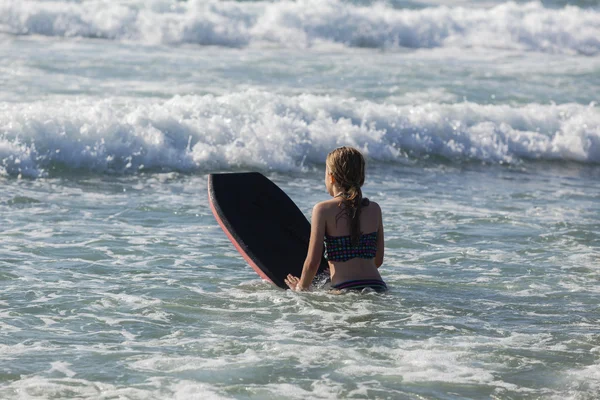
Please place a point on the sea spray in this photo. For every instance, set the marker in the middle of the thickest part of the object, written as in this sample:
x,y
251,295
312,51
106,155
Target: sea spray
x,y
266,131
525,27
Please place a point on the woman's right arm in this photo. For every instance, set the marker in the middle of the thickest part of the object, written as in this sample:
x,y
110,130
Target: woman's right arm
x,y
315,247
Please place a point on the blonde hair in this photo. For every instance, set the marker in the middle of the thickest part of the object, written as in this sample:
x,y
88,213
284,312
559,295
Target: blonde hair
x,y
347,166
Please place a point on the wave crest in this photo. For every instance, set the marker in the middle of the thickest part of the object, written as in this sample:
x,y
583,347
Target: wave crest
x,y
305,23
265,131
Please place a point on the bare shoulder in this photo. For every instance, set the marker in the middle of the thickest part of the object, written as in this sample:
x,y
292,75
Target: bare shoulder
x,y
325,207
374,206
373,211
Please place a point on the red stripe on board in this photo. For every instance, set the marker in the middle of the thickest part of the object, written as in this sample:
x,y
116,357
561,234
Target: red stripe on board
x,y
234,241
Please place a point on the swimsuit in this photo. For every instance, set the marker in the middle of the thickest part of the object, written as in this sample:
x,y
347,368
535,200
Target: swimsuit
x,y
339,248
376,284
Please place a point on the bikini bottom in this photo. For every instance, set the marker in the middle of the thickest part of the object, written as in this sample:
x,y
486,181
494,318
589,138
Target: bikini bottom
x,y
375,284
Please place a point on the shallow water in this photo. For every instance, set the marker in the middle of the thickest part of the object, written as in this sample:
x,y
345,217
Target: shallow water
x,y
127,287
482,138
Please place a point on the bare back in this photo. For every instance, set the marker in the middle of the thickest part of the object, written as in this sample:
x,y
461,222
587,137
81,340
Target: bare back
x,y
337,224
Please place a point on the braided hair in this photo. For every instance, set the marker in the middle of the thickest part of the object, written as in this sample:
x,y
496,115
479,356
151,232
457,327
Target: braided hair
x,y
347,166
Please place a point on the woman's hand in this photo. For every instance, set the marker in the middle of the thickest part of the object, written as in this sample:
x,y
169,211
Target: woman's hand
x,y
293,282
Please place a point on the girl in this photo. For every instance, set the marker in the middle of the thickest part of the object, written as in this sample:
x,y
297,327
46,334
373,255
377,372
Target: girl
x,y
352,228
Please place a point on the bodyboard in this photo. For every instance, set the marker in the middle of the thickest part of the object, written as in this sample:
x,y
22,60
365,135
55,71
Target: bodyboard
x,y
263,223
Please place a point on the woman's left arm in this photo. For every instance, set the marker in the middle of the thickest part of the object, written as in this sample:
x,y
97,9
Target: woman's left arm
x,y
380,241
315,251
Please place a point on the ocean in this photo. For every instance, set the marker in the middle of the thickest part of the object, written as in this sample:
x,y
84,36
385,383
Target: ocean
x,y
481,129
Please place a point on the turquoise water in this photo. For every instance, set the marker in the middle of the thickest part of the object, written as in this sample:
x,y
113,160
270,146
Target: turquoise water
x,y
125,286
482,134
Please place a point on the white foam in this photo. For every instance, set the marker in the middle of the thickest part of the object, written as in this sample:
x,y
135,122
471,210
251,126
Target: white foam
x,y
587,377
20,349
8,328
267,131
192,363
38,387
185,389
63,368
306,23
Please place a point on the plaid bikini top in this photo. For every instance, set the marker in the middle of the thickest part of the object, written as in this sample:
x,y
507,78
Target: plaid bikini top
x,y
339,248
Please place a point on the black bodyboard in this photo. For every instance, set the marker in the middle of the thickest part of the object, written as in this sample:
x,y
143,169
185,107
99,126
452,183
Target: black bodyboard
x,y
262,222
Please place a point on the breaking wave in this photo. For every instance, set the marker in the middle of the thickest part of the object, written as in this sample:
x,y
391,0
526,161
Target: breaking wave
x,y
306,23
266,131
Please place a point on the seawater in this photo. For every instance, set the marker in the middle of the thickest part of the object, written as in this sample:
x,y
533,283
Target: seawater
x,y
481,130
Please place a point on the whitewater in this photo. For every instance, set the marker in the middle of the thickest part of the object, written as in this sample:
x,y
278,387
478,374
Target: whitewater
x,y
265,131
528,26
480,124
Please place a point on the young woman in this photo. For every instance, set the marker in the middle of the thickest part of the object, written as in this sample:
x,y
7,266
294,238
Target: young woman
x,y
351,226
